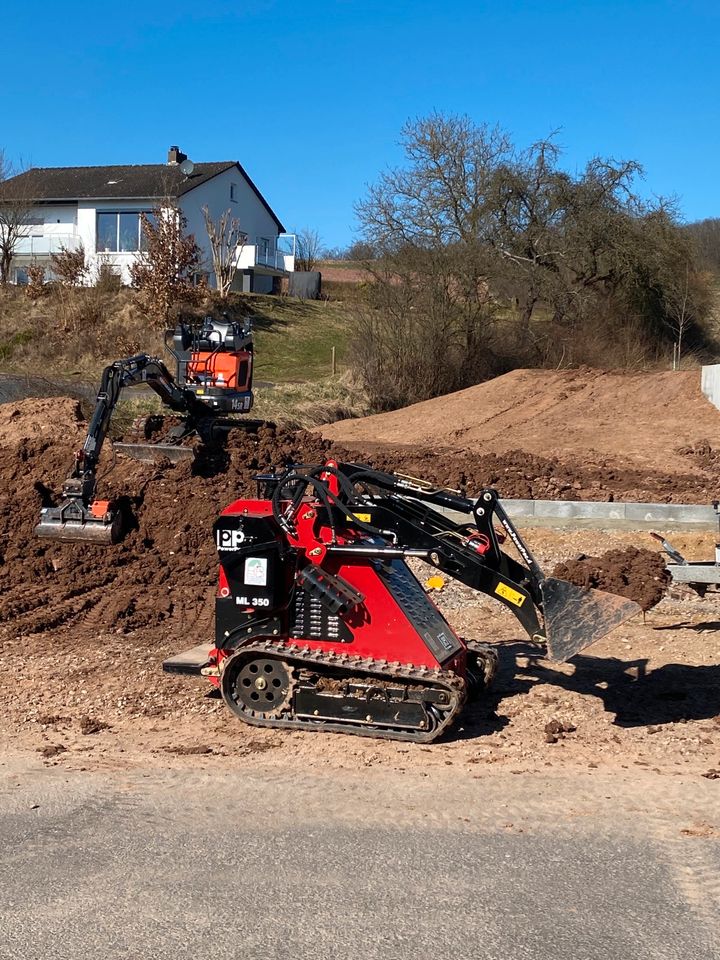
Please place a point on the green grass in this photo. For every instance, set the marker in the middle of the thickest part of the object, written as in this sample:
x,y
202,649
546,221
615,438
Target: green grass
x,y
310,404
293,349
294,338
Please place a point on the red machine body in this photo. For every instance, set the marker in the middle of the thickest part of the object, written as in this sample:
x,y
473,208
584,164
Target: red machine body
x,y
230,370
380,626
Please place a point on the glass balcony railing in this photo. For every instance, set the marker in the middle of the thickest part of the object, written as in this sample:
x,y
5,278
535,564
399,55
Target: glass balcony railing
x,y
44,244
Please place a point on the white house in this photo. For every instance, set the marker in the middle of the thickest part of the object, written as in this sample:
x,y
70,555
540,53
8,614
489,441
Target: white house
x,y
100,207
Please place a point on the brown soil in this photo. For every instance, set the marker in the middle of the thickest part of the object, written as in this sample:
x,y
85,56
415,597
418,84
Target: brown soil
x,y
638,574
84,629
37,418
577,415
519,474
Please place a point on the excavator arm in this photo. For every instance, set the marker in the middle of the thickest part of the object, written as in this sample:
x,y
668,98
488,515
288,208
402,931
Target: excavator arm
x,y
399,517
79,516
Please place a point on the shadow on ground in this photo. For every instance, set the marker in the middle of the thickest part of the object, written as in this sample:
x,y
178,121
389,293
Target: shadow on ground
x,y
637,697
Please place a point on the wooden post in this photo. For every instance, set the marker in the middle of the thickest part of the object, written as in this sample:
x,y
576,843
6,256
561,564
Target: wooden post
x,y
333,361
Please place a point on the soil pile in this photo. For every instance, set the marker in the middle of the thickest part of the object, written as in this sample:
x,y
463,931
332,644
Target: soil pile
x,y
49,417
163,572
571,414
161,578
519,474
637,574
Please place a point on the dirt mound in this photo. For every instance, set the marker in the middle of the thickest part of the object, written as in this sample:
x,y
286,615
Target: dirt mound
x,y
58,417
161,578
164,571
522,475
636,419
637,574
702,455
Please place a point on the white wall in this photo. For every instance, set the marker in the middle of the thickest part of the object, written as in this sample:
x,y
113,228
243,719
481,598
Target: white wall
x,y
56,218
254,219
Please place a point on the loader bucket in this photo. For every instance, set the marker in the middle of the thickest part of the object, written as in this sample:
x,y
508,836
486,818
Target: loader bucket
x,y
575,617
72,522
152,452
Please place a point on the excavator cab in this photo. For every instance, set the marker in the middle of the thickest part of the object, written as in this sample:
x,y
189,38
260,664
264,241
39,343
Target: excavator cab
x,y
215,361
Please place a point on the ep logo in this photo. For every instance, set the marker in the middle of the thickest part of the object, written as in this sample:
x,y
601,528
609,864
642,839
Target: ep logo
x,y
229,539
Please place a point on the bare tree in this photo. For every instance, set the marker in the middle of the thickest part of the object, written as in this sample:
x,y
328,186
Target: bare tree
x,y
678,311
706,237
489,257
226,243
15,214
308,244
165,271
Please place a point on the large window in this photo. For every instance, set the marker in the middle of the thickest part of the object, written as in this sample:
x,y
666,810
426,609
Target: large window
x,y
120,232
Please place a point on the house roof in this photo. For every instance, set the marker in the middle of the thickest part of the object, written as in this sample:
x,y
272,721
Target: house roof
x,y
148,181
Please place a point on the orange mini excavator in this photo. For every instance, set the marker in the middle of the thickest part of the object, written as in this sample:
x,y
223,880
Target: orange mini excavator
x,y
214,366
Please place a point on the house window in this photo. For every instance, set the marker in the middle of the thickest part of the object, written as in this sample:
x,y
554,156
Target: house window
x,y
233,192
120,232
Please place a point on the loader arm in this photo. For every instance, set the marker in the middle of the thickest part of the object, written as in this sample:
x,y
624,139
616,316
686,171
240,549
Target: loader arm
x,y
399,517
79,516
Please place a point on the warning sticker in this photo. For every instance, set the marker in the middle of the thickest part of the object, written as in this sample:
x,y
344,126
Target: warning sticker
x,y
256,571
362,517
503,590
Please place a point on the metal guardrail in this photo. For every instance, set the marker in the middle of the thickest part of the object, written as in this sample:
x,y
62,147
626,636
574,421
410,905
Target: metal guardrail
x,y
623,515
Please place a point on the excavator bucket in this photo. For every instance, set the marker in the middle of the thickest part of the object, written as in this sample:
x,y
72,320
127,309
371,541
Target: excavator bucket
x,y
152,452
102,523
575,617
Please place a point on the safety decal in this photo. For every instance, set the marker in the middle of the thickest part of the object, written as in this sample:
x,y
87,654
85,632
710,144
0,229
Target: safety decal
x,y
503,590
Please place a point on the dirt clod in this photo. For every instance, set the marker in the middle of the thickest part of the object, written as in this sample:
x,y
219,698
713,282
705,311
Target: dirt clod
x,y
88,725
635,573
556,729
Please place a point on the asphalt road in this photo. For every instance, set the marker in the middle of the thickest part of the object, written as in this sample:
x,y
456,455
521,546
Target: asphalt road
x,y
268,864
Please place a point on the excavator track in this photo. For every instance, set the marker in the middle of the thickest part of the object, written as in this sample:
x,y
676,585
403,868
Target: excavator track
x,y
297,688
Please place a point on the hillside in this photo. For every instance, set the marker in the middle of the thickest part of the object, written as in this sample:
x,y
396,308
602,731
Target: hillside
x,y
640,418
74,333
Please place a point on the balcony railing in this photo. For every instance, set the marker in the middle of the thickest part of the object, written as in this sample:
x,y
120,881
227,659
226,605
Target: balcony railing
x,y
264,252
44,244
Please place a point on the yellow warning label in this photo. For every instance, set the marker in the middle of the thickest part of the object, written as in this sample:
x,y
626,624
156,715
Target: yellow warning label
x,y
362,517
503,590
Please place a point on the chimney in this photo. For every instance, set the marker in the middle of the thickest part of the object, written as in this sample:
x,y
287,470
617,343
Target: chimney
x,y
175,156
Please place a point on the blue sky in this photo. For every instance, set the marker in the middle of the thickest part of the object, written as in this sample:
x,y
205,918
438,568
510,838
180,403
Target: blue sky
x,y
310,96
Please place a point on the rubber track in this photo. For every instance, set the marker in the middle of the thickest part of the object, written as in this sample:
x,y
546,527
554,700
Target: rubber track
x,y
305,657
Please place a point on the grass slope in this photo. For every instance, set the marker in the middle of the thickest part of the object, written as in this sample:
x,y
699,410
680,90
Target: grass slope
x,y
75,333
